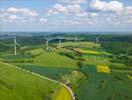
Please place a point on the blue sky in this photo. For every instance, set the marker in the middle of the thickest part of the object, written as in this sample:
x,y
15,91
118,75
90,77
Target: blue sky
x,y
66,15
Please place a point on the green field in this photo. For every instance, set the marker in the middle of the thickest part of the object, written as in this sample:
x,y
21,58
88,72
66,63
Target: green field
x,y
77,67
18,85
81,44
102,86
52,72
53,59
110,85
96,60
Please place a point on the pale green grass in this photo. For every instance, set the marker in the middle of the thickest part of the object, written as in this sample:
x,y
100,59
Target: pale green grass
x,y
18,85
82,44
36,51
96,60
54,59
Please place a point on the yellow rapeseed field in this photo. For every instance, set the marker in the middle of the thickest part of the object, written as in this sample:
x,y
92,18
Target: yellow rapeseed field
x,y
103,69
87,51
63,94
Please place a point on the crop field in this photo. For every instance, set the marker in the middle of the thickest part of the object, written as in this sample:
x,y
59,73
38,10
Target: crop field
x,y
52,72
87,51
23,85
63,94
65,49
82,44
74,79
42,58
96,60
19,56
101,86
103,69
85,67
92,51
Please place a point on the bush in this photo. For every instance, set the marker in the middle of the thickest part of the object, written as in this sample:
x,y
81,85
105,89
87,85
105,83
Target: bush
x,y
70,55
80,64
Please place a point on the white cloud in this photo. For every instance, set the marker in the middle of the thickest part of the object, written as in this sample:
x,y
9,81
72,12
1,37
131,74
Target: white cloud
x,y
73,1
14,17
115,6
52,12
69,22
128,10
86,14
83,14
43,20
108,19
59,8
74,8
18,15
93,14
2,15
24,21
23,11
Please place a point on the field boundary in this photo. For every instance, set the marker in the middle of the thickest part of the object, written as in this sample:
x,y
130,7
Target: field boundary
x,y
44,77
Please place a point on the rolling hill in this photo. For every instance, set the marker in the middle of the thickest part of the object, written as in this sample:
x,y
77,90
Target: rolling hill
x,y
16,84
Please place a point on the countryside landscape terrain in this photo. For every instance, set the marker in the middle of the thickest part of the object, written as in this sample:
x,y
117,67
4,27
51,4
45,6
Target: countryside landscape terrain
x,y
65,49
65,66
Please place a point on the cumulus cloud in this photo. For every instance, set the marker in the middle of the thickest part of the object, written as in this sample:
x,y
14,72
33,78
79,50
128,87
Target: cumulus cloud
x,y
87,14
74,8
82,14
73,1
59,8
17,15
69,22
128,10
93,14
43,20
114,6
122,16
12,18
23,11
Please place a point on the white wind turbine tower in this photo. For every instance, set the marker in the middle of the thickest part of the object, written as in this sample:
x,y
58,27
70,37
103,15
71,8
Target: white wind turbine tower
x,y
15,44
60,38
97,41
75,40
47,42
97,38
59,43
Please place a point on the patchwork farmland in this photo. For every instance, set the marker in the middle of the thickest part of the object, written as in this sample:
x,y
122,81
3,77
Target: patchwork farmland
x,y
82,70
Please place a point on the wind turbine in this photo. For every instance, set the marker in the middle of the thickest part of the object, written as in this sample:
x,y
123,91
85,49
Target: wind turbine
x,y
97,38
60,38
97,41
59,43
15,44
13,36
47,42
75,40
